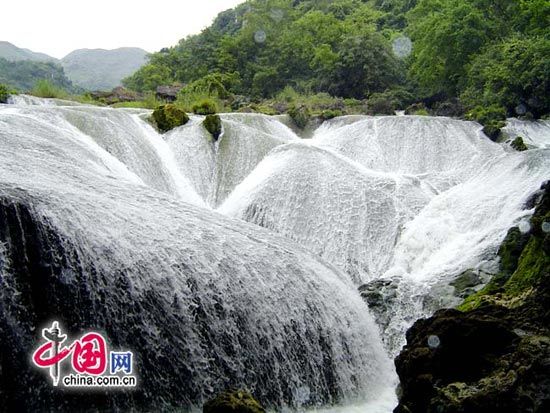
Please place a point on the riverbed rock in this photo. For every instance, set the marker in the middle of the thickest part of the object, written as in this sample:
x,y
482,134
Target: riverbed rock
x,y
237,401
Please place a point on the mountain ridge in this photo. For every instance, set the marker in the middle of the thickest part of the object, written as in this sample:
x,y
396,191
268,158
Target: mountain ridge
x,y
92,69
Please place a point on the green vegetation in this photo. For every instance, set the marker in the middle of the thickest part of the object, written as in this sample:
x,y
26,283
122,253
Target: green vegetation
x,y
168,117
46,89
5,93
213,125
22,75
492,118
273,55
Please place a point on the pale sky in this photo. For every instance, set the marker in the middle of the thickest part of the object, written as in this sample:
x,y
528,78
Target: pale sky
x,y
57,27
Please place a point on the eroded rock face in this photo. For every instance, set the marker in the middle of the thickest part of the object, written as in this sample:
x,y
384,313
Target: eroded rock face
x,y
490,359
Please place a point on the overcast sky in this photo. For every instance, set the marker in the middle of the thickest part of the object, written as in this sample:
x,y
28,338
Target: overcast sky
x,y
57,27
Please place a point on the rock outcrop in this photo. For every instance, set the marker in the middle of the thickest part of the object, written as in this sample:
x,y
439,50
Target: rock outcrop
x,y
494,355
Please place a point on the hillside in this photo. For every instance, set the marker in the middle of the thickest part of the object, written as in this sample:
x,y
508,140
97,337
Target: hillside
x,y
489,55
13,53
98,69
23,75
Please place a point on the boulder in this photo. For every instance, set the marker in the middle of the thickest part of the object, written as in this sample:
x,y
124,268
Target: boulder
x,y
168,117
213,125
238,401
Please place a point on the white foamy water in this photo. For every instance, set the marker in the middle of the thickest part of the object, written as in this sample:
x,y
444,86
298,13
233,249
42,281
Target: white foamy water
x,y
534,133
414,199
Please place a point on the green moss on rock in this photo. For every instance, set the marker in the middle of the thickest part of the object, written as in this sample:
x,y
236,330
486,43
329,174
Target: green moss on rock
x,y
168,117
213,125
300,115
524,262
239,401
205,107
518,144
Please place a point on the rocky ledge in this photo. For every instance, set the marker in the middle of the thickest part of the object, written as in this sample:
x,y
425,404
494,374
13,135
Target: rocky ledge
x,y
492,354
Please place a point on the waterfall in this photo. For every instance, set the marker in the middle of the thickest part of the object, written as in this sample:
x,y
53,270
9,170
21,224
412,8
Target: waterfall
x,y
93,237
158,241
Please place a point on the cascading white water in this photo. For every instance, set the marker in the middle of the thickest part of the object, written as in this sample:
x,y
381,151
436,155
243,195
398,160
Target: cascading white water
x,y
534,133
205,302
413,199
216,168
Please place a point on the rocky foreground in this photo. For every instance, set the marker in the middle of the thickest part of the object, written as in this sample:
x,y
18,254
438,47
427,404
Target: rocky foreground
x,y
493,353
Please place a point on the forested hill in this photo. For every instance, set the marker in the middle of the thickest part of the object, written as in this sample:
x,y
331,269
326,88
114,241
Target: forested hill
x,y
487,52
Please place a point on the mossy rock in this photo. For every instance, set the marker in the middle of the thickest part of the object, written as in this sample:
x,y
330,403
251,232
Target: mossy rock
x,y
168,117
213,125
492,130
205,107
518,144
4,94
239,401
524,262
300,115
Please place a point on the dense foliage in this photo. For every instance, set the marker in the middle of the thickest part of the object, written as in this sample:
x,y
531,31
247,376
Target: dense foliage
x,y
22,75
487,52
330,46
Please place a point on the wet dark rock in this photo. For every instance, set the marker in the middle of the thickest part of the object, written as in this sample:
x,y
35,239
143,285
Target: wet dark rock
x,y
238,401
469,282
380,295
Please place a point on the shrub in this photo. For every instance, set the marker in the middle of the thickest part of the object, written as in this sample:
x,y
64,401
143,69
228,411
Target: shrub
x,y
45,89
169,116
330,114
